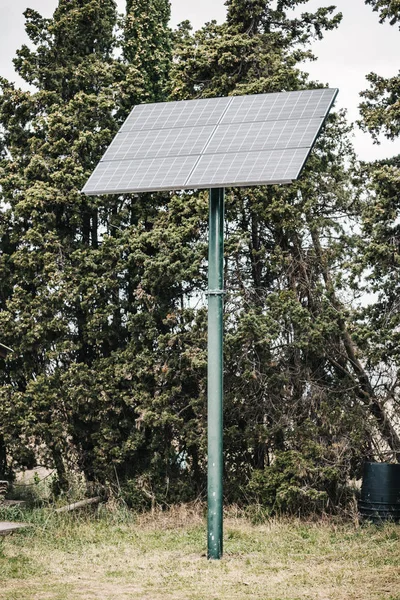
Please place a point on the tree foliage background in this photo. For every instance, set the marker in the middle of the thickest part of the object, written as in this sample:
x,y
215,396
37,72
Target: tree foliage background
x,y
102,299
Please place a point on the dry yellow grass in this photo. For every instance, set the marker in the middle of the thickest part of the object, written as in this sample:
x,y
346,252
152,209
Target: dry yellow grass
x,y
162,557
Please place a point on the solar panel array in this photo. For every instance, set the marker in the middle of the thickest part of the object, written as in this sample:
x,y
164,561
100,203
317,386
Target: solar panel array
x,y
214,142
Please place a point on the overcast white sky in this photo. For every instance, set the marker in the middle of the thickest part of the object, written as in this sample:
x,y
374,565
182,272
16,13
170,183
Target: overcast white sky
x,y
345,56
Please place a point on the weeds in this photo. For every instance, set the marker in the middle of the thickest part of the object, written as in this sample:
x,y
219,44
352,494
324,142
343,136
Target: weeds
x,y
110,553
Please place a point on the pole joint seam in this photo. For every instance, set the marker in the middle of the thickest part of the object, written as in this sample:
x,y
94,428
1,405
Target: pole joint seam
x,y
215,292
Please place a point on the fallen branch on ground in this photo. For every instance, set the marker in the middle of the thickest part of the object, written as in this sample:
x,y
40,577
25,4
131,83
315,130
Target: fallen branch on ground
x,y
80,504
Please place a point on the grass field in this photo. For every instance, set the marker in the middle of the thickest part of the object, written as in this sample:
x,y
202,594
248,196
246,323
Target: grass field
x,y
115,555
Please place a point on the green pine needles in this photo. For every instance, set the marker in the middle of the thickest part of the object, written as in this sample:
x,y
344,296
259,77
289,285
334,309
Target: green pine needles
x,y
102,298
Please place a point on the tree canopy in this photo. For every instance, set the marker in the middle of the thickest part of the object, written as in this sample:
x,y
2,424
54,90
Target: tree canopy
x,y
102,298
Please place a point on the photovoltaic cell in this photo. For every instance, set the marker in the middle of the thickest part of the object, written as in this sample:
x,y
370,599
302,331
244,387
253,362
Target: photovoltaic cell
x,y
247,168
154,143
167,115
214,142
143,174
271,135
305,104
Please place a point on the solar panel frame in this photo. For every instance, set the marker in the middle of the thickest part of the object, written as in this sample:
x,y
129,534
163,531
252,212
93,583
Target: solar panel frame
x,y
197,139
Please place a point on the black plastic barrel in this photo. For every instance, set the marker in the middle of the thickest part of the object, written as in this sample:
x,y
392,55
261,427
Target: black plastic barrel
x,y
380,492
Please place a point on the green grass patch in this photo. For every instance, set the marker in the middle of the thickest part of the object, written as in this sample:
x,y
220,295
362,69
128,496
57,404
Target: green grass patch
x,y
117,555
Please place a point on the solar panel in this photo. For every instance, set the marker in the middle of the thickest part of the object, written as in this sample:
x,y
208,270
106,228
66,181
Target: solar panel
x,y
167,115
270,135
154,143
143,174
306,104
247,168
213,142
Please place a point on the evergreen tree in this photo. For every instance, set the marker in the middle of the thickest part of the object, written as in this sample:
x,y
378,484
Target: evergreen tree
x,y
102,297
147,44
61,297
93,294
379,248
257,50
291,384
387,9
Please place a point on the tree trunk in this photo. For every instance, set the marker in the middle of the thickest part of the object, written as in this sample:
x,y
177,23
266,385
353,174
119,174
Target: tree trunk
x,y
3,458
364,387
60,468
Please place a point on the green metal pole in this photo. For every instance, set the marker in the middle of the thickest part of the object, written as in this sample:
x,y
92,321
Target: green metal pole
x,y
215,371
